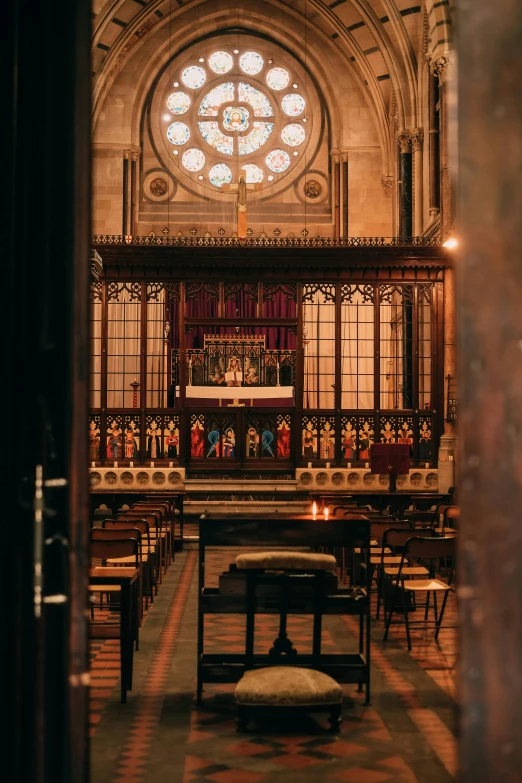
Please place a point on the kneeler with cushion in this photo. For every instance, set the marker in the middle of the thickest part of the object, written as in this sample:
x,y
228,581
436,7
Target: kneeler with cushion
x,y
285,688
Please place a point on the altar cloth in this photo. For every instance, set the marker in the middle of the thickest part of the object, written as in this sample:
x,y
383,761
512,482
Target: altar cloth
x,y
247,396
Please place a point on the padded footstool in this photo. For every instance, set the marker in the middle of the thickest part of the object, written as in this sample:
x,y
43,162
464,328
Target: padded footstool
x,y
287,689
287,561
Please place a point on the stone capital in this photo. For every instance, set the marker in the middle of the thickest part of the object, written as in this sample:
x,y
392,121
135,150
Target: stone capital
x,y
404,140
439,65
417,138
387,183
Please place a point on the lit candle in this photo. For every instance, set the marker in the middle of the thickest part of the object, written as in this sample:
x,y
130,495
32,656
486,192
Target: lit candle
x,y
348,464
314,509
327,465
93,464
115,464
152,464
131,464
326,512
171,464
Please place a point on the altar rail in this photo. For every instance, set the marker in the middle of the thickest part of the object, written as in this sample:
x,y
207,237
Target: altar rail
x,y
239,437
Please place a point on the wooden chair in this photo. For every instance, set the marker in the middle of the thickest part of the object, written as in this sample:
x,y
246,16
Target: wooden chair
x,y
148,551
405,589
107,535
156,533
395,540
127,629
165,515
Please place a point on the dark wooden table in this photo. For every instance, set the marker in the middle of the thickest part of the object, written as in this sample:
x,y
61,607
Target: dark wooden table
x,y
126,580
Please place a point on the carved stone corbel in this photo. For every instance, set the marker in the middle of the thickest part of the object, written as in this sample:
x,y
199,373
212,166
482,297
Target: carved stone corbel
x,y
404,141
387,183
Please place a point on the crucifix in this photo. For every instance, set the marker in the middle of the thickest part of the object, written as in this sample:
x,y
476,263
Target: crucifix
x,y
241,189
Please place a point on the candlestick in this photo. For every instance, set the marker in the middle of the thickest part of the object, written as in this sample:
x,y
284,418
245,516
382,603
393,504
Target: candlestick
x,y
309,464
348,464
131,464
326,512
314,509
93,464
115,464
152,464
171,464
327,465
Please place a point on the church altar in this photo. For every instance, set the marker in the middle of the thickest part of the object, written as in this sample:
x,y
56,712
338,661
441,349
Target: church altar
x,y
253,397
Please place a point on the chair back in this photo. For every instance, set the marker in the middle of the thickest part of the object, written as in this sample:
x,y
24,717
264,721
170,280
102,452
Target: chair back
x,y
153,520
378,527
451,515
399,536
108,548
431,548
129,524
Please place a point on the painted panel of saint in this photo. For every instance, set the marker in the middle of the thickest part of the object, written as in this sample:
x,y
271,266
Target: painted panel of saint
x,y
114,442
309,441
94,440
366,438
171,448
154,445
283,439
234,373
196,438
252,371
228,442
216,374
425,441
349,440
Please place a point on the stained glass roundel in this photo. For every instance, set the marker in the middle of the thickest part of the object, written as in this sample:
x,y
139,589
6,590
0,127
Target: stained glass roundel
x,y
277,161
277,78
178,133
293,134
259,102
193,160
193,77
178,102
253,173
251,63
293,104
220,174
235,119
220,62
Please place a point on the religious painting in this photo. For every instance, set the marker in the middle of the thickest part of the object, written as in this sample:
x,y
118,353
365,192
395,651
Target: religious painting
x,y
405,431
228,442
272,368
252,442
196,367
349,438
131,441
309,437
283,437
388,432
252,371
171,438
234,371
94,438
366,438
154,441
115,438
267,441
425,447
197,436
216,371
327,439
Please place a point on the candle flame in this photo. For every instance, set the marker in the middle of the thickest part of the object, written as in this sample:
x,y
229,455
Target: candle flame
x,y
314,508
326,513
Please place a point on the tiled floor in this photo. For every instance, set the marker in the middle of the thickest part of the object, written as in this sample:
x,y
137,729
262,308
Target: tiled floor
x,y
406,735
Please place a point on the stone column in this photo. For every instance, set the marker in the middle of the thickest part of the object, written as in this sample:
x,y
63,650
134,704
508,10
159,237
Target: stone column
x,y
344,193
405,184
417,141
489,297
434,144
448,440
439,68
336,194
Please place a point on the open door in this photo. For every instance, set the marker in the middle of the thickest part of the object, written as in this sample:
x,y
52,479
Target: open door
x,y
46,179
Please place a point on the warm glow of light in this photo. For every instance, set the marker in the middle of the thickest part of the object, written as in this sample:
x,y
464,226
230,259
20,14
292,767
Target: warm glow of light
x,y
450,243
314,508
326,512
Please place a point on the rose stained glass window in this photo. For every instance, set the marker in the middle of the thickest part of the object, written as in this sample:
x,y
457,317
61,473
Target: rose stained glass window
x,y
214,136
256,138
220,62
222,93
178,133
251,63
277,78
277,161
259,102
193,160
253,173
235,119
293,134
220,174
178,103
293,104
193,77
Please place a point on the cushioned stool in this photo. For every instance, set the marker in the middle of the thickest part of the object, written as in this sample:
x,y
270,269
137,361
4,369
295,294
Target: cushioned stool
x,y
287,689
281,561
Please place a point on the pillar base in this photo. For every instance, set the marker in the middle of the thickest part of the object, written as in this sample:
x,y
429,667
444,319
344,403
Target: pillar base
x,y
448,443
